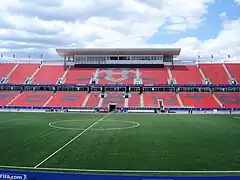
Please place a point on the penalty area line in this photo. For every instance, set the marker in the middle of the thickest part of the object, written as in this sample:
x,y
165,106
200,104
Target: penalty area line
x,y
115,170
69,142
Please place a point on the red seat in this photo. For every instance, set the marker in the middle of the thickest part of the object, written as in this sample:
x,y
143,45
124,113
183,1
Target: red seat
x,y
186,75
5,69
113,97
80,75
154,75
234,70
6,97
37,99
48,74
22,72
215,72
152,99
116,76
199,100
134,100
229,100
67,99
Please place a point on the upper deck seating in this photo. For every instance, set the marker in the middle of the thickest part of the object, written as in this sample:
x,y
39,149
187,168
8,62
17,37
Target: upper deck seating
x,y
80,75
116,76
199,100
48,74
234,70
5,69
134,100
152,99
215,72
7,96
186,75
22,72
114,97
229,100
93,99
154,75
67,99
37,99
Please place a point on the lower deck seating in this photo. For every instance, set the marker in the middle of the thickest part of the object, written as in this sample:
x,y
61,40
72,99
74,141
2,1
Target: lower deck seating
x,y
229,100
154,76
37,99
116,76
234,70
93,100
67,99
152,99
113,97
80,75
186,75
7,96
134,100
199,100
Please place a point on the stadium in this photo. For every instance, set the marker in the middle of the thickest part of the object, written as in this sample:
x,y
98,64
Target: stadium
x,y
120,111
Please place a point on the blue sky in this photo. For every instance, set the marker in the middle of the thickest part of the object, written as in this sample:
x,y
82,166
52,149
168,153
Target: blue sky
x,y
197,26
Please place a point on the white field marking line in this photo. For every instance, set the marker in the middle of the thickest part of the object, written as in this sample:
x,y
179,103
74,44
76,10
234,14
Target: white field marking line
x,y
73,139
237,117
135,124
115,170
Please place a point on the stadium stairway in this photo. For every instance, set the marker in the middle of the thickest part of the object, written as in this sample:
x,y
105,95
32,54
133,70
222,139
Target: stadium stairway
x,y
126,102
215,72
48,74
22,72
234,70
67,99
199,100
30,99
86,100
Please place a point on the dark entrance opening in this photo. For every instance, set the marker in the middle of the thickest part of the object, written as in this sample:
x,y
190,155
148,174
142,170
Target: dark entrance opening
x,y
111,107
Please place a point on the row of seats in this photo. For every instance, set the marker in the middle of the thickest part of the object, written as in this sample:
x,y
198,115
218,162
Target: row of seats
x,y
182,74
79,99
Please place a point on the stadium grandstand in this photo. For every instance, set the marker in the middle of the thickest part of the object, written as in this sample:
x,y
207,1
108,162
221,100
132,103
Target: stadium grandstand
x,y
129,80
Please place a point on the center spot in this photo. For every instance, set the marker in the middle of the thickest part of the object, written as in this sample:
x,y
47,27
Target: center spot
x,y
100,126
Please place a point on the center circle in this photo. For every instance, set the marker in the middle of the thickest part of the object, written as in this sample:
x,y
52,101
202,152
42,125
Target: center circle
x,y
103,125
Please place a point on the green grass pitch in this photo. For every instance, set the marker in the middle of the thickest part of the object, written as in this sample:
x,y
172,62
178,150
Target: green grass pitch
x,y
120,141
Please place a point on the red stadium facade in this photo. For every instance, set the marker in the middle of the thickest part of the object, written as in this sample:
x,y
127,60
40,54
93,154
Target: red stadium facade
x,y
145,79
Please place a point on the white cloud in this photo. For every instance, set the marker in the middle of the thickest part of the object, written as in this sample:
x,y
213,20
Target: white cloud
x,y
48,24
237,1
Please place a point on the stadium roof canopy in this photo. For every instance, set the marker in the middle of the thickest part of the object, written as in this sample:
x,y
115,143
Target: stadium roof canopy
x,y
137,51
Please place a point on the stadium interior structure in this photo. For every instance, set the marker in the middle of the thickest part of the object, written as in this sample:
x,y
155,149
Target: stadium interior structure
x,y
146,80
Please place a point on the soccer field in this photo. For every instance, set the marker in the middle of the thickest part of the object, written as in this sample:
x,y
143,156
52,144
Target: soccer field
x,y
120,143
